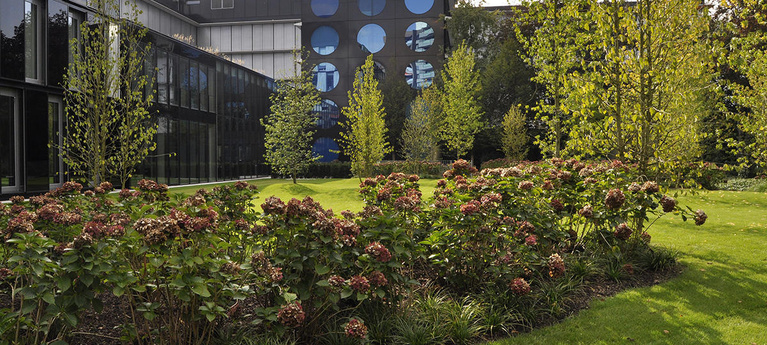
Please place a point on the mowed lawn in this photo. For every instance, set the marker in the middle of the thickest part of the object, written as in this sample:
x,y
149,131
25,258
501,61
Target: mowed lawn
x,y
721,298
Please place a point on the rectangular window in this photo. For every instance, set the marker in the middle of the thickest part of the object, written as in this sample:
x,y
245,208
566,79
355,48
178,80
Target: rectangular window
x,y
173,79
194,85
203,88
75,21
33,41
183,68
162,76
55,130
221,4
10,142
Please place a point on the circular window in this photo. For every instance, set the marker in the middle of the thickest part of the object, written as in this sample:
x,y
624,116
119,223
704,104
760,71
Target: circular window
x,y
371,7
327,113
325,76
327,148
324,40
419,6
419,37
419,74
371,38
324,8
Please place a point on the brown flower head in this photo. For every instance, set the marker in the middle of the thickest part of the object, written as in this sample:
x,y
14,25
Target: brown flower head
x,y
668,203
291,315
700,217
614,199
519,286
355,329
623,232
359,283
556,266
377,278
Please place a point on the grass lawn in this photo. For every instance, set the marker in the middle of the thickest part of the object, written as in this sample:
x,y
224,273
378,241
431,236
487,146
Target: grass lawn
x,y
337,194
721,298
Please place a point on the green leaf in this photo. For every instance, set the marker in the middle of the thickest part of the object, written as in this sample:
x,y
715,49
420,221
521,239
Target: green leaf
x,y
64,283
323,283
201,289
345,293
289,297
118,291
321,269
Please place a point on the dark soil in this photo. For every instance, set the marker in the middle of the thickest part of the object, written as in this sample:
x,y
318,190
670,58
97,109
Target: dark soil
x,y
105,328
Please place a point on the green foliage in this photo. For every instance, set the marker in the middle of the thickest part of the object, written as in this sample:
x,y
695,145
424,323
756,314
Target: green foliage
x,y
514,134
552,51
420,168
109,128
287,134
747,56
420,136
364,140
462,113
473,25
397,97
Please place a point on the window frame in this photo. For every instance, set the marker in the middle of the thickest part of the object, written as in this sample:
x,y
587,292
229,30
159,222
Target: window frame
x,y
40,30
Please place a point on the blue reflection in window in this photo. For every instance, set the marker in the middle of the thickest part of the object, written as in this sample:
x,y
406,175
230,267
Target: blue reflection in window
x,y
371,38
324,8
325,76
419,74
324,40
327,113
419,37
371,7
327,148
419,6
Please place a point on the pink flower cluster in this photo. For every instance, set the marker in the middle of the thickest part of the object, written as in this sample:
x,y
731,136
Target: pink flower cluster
x,y
519,286
556,266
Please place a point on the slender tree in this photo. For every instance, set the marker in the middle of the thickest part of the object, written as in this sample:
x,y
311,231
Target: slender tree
x,y
364,139
514,137
288,133
462,113
552,51
420,137
110,129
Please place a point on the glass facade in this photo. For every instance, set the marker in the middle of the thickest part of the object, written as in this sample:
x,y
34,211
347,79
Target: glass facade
x,y
419,74
327,113
371,7
371,38
324,8
207,109
419,37
325,40
326,148
419,6
325,76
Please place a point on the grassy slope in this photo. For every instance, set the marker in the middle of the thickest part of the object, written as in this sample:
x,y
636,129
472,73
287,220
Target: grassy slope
x,y
720,299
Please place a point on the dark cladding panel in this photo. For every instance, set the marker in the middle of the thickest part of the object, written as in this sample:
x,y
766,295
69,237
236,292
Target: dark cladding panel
x,y
12,39
36,122
58,42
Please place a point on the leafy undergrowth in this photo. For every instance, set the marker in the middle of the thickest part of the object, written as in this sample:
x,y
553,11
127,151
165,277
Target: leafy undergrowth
x,y
721,298
490,254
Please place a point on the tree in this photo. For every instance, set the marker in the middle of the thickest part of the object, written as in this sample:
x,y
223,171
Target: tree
x,y
475,26
109,127
514,134
747,31
287,135
364,140
420,136
462,113
552,51
397,95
